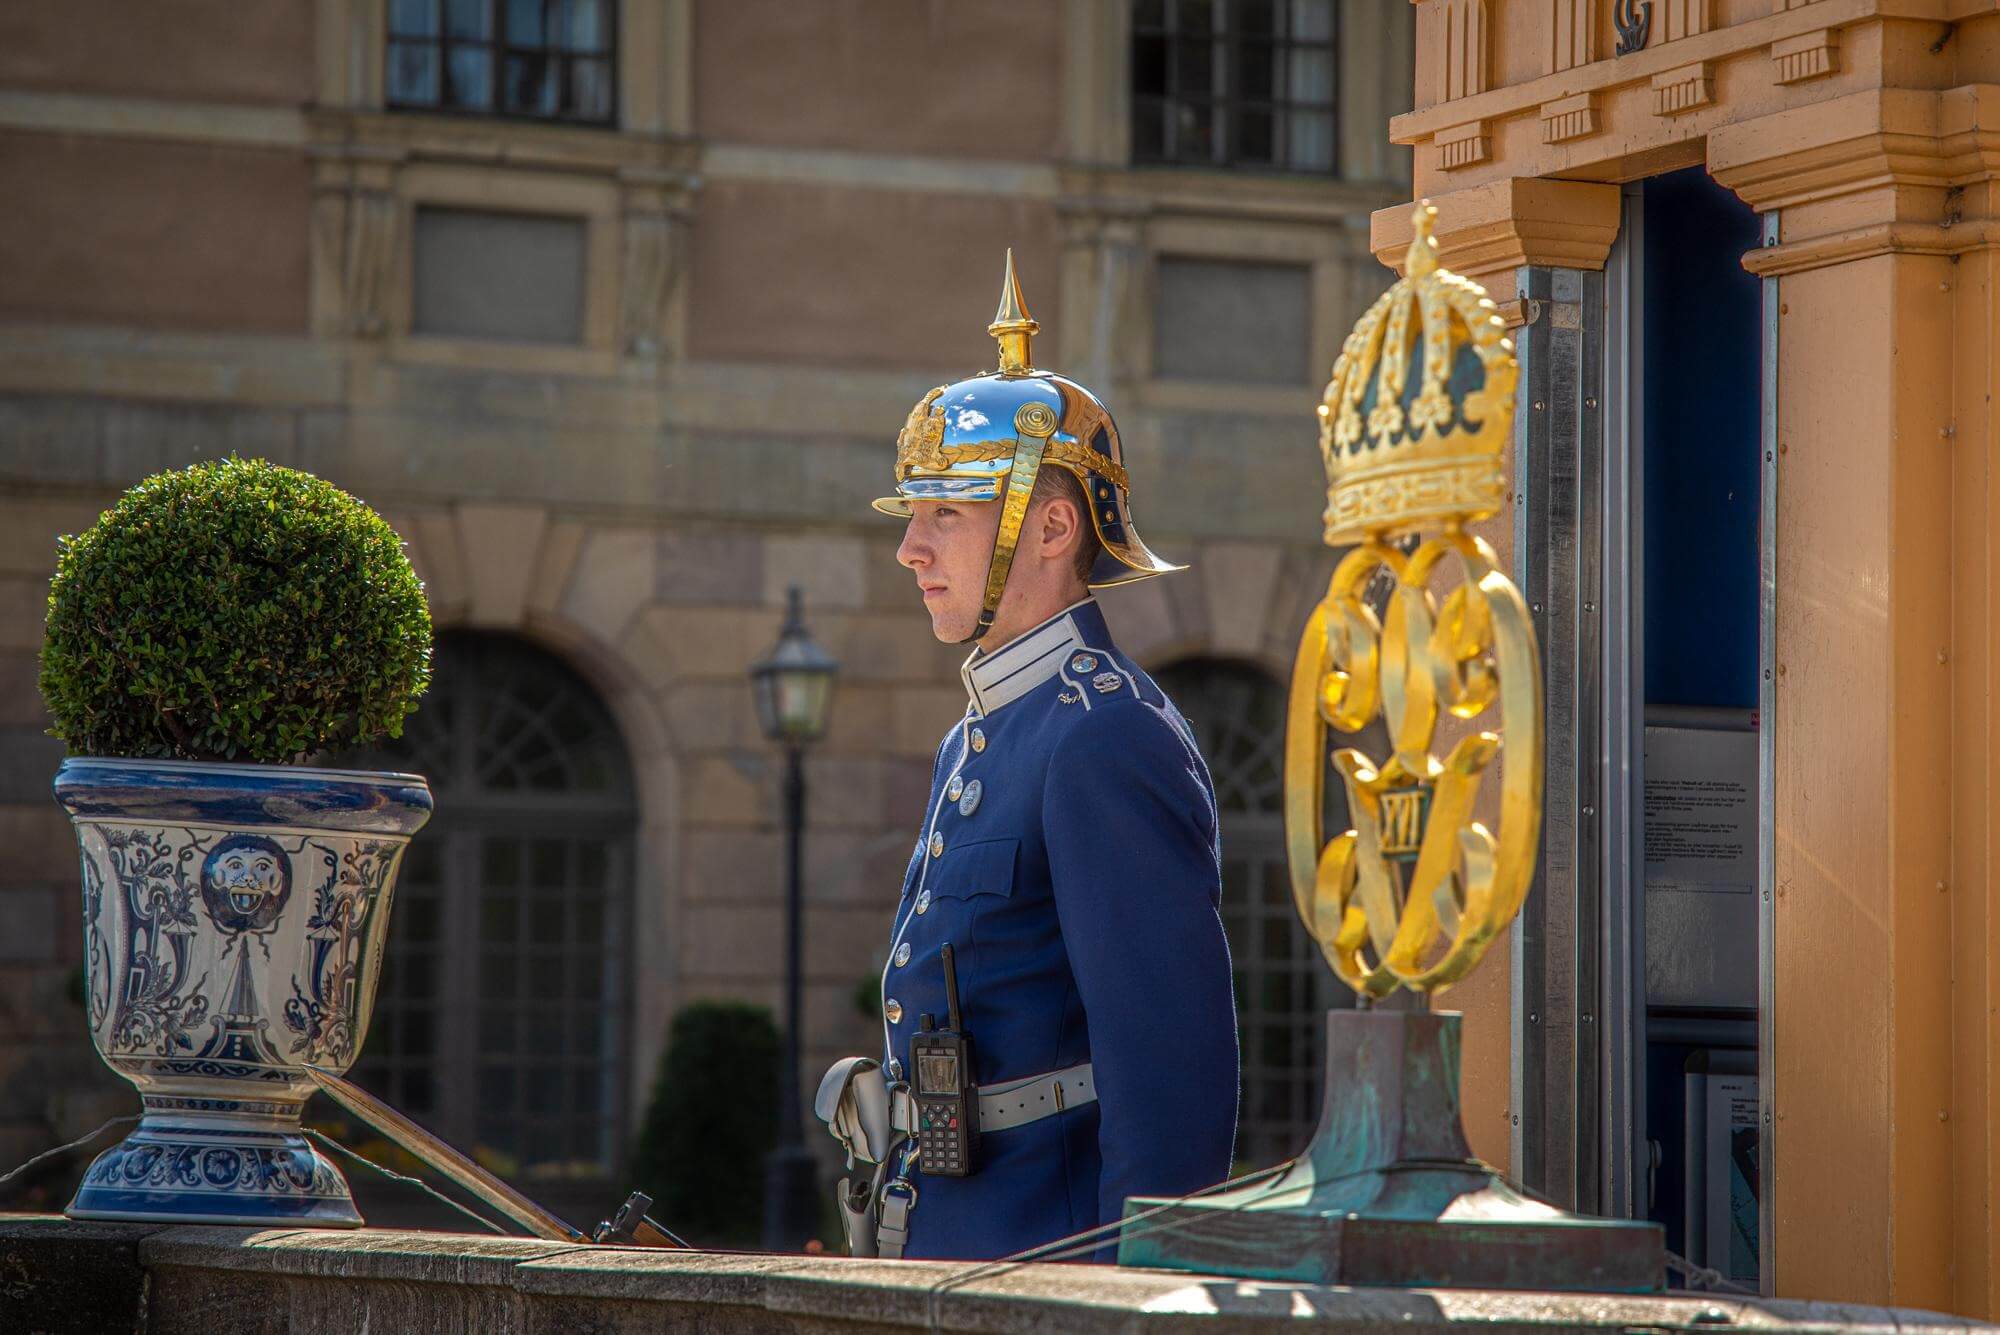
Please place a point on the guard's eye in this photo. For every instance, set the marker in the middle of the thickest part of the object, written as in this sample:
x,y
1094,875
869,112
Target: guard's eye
x,y
945,512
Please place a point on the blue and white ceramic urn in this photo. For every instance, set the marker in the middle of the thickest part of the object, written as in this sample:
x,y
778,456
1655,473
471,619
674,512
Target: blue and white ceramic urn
x,y
234,918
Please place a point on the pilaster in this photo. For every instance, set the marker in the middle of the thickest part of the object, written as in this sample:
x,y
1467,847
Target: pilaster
x,y
1885,1040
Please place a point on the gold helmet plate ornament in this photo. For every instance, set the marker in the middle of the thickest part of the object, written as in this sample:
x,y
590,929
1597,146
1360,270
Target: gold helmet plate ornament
x,y
1414,428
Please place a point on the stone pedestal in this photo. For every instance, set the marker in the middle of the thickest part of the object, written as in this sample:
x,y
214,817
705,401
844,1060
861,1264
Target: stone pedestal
x,y
1389,1193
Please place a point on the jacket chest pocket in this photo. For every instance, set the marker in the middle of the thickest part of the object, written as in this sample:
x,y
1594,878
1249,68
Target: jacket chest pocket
x,y
970,872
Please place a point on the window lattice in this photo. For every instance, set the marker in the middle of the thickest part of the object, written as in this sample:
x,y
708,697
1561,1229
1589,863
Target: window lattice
x,y
1283,987
1235,83
541,59
501,1019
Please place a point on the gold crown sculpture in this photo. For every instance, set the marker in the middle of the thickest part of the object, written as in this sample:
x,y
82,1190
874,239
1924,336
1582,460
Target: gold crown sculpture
x,y
1399,451
1416,892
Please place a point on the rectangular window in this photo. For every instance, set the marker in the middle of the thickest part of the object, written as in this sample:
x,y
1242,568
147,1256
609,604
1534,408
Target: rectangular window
x,y
538,59
1231,320
1234,83
510,276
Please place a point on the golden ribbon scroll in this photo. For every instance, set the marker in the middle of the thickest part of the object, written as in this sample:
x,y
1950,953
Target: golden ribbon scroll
x,y
1415,893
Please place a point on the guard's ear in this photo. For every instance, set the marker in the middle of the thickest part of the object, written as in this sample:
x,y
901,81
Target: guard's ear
x,y
1060,527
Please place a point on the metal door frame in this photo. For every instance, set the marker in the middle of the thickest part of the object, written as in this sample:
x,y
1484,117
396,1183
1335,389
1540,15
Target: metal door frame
x,y
1627,1153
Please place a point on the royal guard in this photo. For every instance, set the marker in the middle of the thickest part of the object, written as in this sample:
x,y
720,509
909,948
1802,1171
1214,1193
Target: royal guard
x,y
1058,1022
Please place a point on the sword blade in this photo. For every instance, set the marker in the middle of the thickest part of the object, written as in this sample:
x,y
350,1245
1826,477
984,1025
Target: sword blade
x,y
435,1153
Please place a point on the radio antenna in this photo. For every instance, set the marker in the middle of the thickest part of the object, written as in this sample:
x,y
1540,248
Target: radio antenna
x,y
950,989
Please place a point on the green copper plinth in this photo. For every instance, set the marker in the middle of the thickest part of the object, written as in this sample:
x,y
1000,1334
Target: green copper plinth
x,y
1388,1193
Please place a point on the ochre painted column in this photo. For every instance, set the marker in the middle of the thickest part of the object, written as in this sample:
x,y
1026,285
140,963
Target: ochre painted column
x,y
1884,1039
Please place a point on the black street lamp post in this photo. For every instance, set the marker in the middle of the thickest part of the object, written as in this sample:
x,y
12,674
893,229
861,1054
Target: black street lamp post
x,y
794,691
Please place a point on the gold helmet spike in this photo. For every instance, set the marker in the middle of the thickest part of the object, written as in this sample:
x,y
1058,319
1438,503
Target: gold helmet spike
x,y
1012,326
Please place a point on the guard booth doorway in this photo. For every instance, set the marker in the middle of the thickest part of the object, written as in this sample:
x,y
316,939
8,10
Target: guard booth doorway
x,y
1640,542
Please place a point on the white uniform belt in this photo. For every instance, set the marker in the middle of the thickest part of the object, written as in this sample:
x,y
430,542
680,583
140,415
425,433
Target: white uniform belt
x,y
1013,1103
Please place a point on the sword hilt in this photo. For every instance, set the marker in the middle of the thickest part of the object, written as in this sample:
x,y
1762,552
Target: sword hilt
x,y
633,1227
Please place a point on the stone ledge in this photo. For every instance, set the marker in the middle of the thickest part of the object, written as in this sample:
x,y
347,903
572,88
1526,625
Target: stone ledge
x,y
59,1275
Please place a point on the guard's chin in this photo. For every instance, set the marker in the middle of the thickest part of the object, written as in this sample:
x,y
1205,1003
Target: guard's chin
x,y
952,625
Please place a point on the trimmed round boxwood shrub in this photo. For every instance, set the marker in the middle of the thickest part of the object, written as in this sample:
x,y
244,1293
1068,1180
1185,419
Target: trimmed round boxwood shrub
x,y
234,610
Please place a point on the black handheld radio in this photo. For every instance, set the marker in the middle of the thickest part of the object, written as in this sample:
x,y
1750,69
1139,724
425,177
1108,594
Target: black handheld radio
x,y
947,1100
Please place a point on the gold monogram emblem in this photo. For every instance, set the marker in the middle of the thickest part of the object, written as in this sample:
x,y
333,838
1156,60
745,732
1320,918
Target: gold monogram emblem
x,y
1415,893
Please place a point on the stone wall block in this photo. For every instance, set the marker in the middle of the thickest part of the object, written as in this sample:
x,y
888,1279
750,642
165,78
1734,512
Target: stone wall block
x,y
24,607
830,571
76,1276
439,562
725,863
615,576
29,758
29,529
922,715
719,566
723,792
20,693
713,642
143,438
40,846
49,438
845,943
1187,593
861,717
1239,579
35,921
890,647
890,587
906,791
714,715
502,545
71,1277
845,790
560,544
1141,618
36,1006
1301,583
648,649
732,939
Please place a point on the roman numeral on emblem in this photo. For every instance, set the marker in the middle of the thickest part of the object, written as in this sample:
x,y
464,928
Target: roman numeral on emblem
x,y
1402,822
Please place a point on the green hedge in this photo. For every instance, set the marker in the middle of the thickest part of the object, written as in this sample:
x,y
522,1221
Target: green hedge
x,y
233,611
712,1119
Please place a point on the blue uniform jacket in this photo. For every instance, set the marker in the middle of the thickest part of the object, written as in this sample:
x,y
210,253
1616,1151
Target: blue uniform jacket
x,y
1069,854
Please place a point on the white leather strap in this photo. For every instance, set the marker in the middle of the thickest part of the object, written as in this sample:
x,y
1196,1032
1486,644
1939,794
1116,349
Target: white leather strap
x,y
1015,1103
853,1100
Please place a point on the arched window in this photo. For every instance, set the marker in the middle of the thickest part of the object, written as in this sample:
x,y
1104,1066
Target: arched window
x,y
502,1018
1283,986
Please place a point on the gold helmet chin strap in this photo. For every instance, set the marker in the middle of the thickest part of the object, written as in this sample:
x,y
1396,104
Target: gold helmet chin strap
x,y
1034,423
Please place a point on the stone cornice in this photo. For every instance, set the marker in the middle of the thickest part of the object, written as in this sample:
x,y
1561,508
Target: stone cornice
x,y
1885,137
491,141
1862,243
1641,67
1165,192
1498,227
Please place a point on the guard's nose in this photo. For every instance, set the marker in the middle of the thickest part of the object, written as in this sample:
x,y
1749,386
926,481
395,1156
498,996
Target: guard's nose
x,y
912,551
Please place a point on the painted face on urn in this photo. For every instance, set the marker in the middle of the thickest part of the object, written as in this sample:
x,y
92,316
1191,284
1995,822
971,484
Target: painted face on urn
x,y
245,881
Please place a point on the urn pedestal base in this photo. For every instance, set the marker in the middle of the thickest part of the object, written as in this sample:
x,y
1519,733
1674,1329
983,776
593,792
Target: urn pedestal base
x,y
1388,1193
227,1165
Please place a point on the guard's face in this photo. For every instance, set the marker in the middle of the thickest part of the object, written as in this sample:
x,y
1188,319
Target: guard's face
x,y
948,546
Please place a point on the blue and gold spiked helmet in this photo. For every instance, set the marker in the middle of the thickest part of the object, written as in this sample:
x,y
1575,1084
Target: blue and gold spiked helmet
x,y
988,438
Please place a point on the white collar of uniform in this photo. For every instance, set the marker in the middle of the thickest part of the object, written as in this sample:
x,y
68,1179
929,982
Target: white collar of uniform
x,y
1023,663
